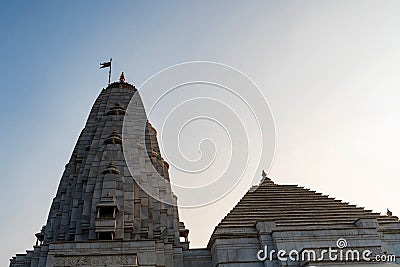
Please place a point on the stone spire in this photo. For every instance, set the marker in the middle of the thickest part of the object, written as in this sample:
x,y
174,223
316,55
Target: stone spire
x,y
98,199
97,184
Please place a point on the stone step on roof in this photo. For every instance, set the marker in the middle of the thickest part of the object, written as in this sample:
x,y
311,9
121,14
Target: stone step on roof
x,y
278,218
309,208
308,219
292,219
279,210
293,225
384,219
295,200
292,205
299,206
290,225
303,214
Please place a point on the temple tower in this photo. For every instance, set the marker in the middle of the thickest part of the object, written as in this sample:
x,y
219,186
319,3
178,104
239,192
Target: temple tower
x,y
100,216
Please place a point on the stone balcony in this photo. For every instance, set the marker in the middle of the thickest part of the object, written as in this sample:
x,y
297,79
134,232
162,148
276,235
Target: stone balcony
x,y
105,224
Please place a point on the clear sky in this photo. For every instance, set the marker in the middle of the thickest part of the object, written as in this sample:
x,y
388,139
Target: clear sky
x,y
329,69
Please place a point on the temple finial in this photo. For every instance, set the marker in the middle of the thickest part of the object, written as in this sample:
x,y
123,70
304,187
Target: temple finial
x,y
263,174
389,213
265,178
122,78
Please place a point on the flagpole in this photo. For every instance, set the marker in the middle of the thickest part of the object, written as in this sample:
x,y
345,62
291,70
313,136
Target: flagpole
x,y
107,65
109,73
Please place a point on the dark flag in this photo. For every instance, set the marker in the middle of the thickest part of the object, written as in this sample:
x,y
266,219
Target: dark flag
x,y
105,64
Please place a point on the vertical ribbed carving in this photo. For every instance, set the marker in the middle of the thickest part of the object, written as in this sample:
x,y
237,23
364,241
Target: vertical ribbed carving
x,y
97,169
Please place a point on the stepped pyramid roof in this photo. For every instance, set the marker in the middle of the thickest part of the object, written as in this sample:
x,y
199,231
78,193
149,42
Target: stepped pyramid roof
x,y
293,205
291,208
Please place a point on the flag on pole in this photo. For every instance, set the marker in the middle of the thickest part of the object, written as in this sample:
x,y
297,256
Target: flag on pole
x,y
105,64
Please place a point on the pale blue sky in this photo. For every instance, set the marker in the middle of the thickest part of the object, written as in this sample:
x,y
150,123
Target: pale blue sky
x,y
330,71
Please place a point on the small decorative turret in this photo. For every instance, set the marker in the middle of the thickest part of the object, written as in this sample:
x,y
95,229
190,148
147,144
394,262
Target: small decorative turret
x,y
265,178
40,236
389,213
263,174
114,138
118,109
122,78
111,169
